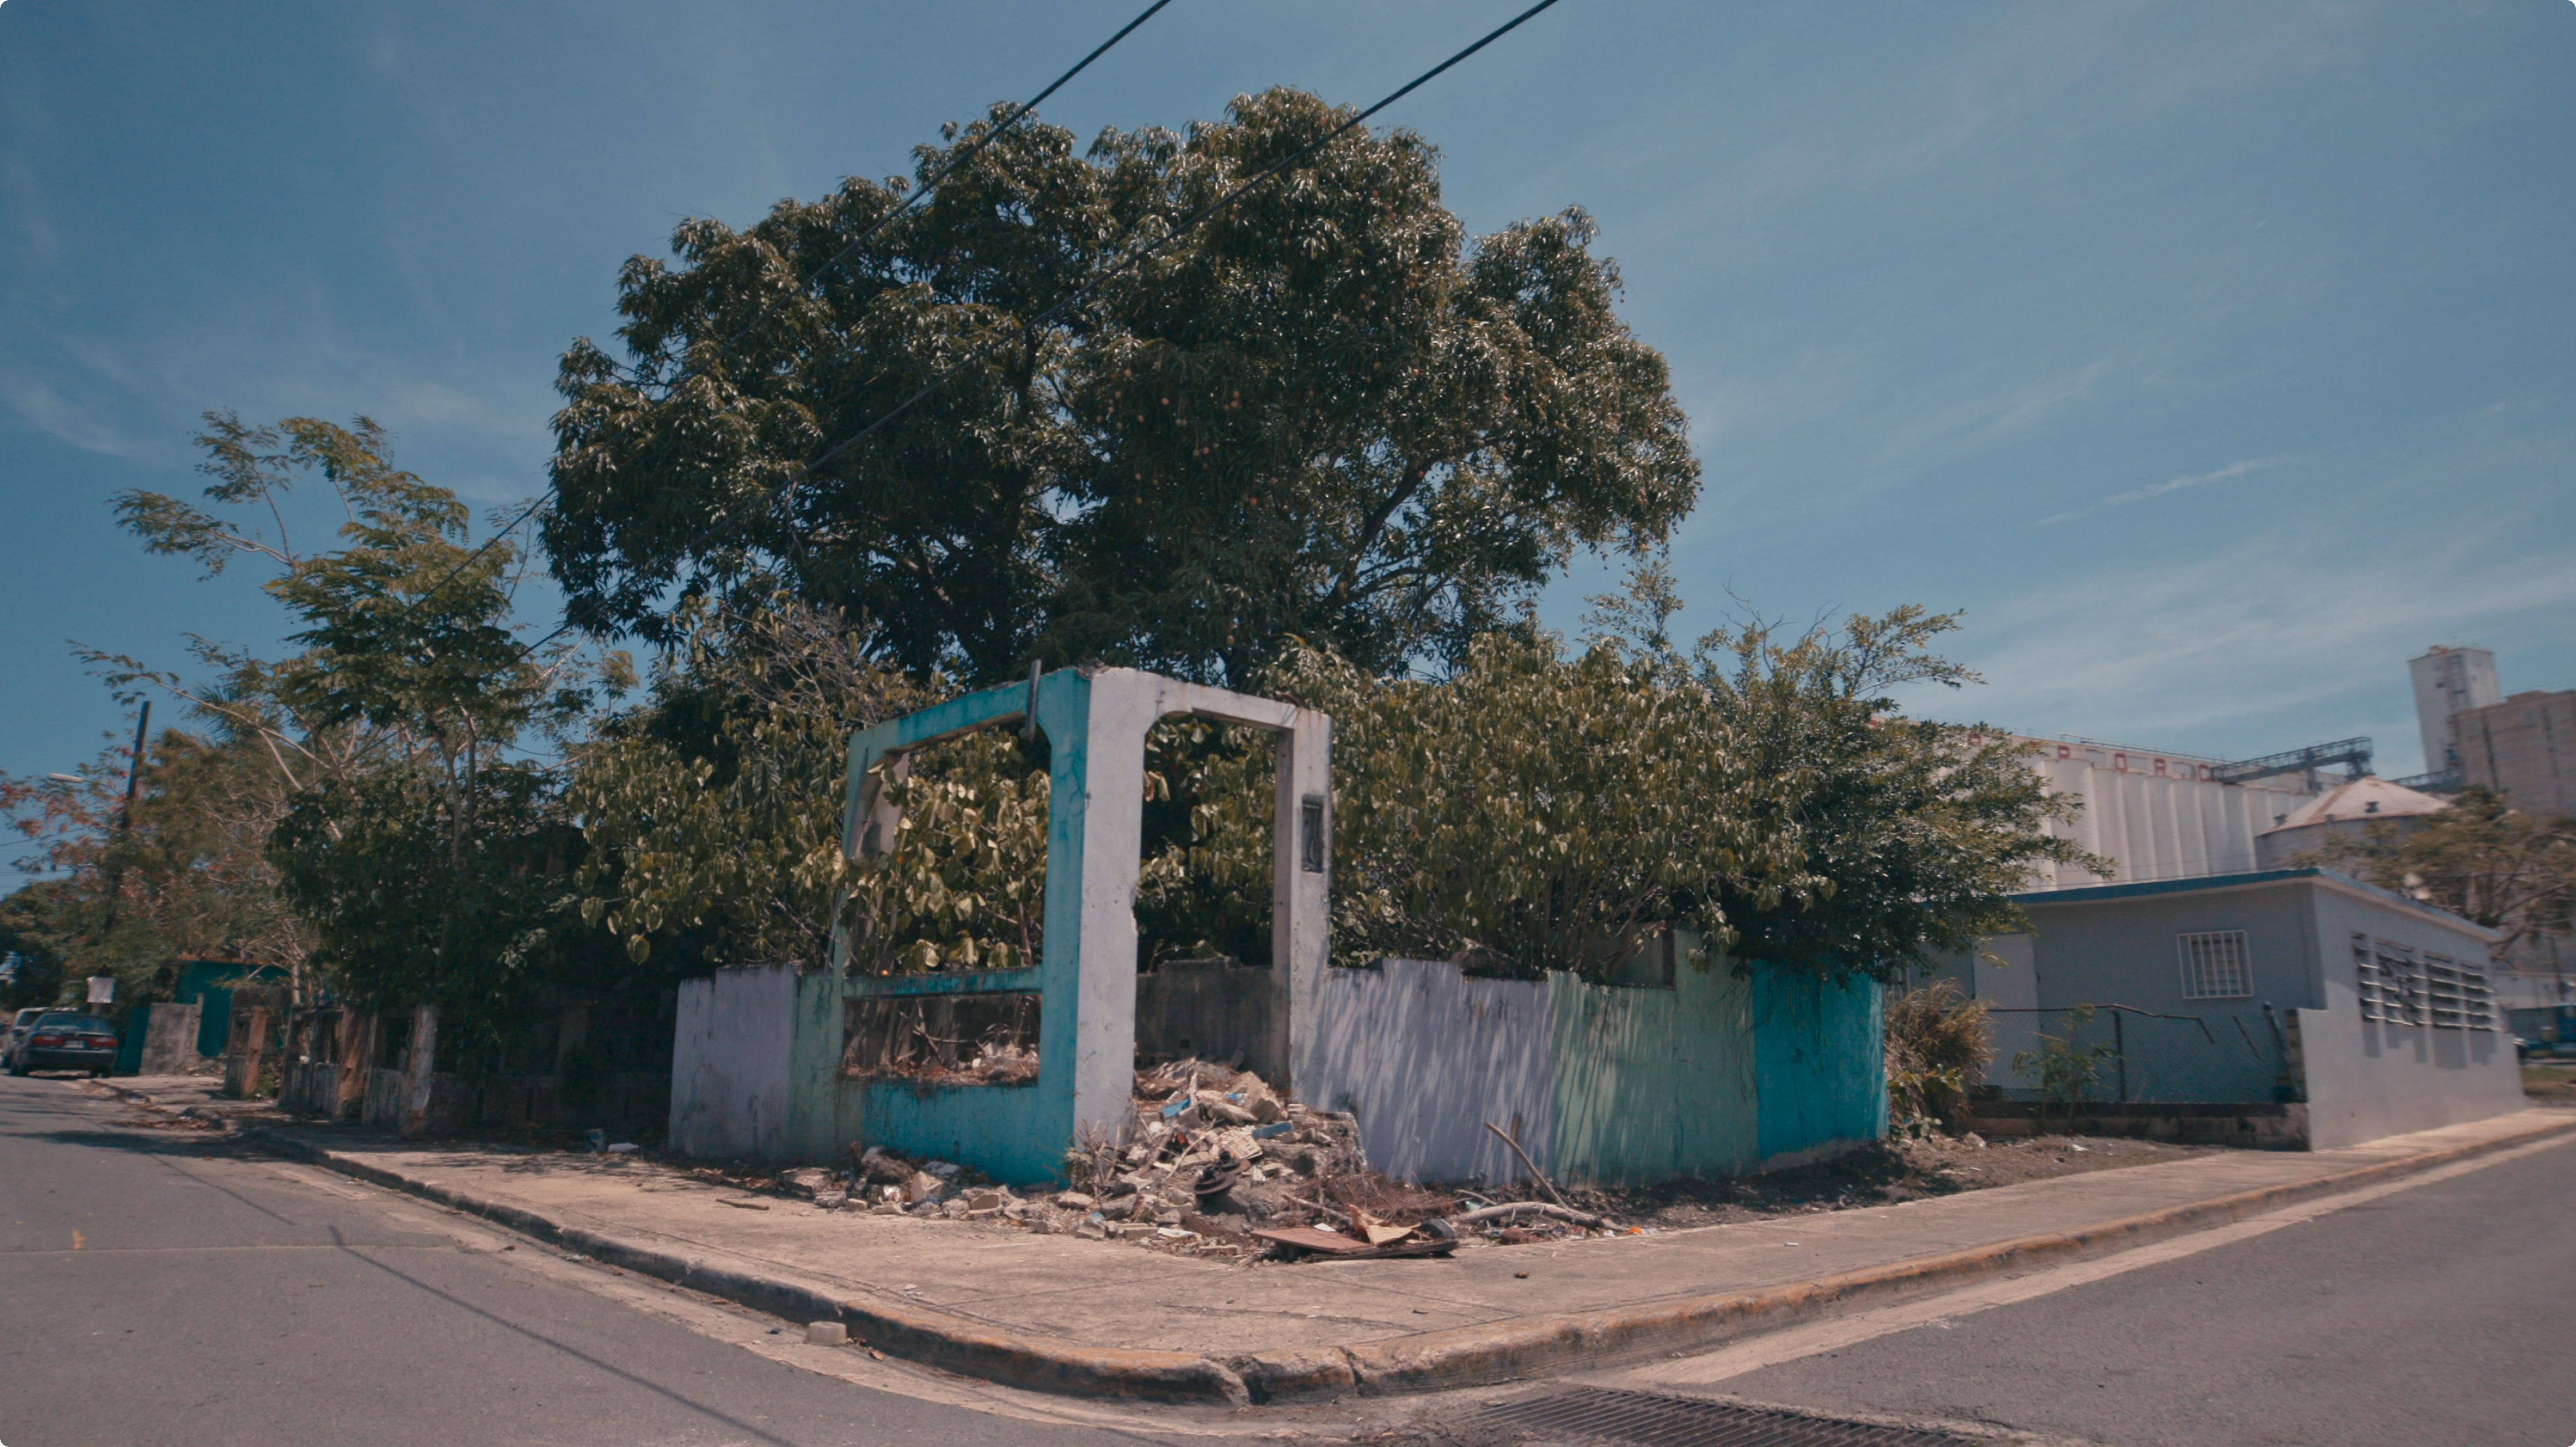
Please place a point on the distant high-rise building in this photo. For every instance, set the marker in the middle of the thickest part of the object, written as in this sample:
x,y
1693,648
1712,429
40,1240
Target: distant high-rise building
x,y
2449,681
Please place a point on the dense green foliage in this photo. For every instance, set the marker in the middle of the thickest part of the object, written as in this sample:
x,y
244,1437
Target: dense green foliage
x,y
185,876
360,811
1323,413
1536,810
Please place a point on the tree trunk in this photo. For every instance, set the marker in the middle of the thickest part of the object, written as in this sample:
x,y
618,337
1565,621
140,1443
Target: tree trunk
x,y
355,1050
422,1067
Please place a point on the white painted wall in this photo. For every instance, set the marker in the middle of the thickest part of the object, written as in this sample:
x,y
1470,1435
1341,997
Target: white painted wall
x,y
2157,816
2368,1078
1424,1056
2005,974
729,1062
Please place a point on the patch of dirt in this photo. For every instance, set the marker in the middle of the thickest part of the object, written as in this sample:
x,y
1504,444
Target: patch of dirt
x,y
2550,1084
1878,1175
145,1120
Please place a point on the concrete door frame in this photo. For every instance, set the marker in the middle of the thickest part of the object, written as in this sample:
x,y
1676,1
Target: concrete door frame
x,y
1096,720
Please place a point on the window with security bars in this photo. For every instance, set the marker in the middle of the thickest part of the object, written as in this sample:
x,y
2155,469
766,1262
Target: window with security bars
x,y
2402,996
2366,979
2213,966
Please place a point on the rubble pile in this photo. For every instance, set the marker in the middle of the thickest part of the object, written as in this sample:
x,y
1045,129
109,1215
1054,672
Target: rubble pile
x,y
1213,1152
1214,1163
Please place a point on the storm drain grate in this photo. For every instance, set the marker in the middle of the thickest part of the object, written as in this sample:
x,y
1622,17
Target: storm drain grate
x,y
1647,1420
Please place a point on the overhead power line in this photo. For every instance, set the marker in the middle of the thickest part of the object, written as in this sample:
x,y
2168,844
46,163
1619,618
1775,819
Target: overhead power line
x,y
929,186
1138,255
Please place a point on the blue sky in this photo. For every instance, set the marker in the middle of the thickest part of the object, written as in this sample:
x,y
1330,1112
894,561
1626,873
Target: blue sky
x,y
2213,357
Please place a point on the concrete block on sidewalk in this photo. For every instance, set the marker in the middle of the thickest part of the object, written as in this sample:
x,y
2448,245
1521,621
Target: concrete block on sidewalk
x,y
826,1334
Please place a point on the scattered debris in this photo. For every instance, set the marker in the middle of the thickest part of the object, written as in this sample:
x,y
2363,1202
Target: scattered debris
x,y
1512,1209
743,1205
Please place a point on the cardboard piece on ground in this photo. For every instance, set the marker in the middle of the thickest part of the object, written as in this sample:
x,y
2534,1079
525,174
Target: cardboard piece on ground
x,y
1326,1243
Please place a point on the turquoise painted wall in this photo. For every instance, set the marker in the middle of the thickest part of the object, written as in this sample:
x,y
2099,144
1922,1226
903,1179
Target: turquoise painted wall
x,y
1817,1061
1013,1133
1654,1083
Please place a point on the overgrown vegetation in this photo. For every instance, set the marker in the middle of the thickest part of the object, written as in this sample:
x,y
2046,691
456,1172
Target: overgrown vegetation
x,y
1542,809
362,811
1938,1042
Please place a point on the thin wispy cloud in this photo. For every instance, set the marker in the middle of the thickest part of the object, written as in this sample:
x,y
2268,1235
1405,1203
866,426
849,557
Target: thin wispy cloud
x,y
2166,488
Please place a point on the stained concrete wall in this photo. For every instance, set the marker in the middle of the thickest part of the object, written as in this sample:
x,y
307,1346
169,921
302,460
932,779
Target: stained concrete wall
x,y
1819,1066
2102,948
730,1056
169,1038
1006,1131
1214,1009
1424,1056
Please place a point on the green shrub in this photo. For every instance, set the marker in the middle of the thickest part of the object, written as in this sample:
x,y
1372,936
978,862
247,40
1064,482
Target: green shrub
x,y
1937,1040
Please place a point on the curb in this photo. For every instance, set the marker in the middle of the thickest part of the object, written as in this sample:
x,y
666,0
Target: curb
x,y
1428,1361
1498,1351
934,1338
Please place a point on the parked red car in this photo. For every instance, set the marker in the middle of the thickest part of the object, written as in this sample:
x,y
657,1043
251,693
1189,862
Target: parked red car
x,y
62,1040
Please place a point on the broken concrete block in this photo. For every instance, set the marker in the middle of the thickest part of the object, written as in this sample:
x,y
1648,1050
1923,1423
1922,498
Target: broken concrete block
x,y
1075,1201
923,1186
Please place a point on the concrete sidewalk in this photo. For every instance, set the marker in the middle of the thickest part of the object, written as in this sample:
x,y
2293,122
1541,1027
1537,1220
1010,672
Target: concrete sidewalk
x,y
1101,1318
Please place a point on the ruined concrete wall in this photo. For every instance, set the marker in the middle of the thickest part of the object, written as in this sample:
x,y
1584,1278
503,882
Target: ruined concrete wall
x,y
170,1039
729,1062
1213,1009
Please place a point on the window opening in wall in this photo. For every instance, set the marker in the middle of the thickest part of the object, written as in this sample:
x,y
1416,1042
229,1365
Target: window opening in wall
x,y
2442,993
2214,966
2477,999
2458,996
970,1038
2401,984
961,884
1204,888
2365,979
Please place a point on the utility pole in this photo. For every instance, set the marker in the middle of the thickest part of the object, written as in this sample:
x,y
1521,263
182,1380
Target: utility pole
x,y
125,815
134,771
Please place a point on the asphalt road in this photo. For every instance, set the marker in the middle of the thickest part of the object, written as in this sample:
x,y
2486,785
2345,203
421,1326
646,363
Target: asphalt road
x,y
2445,1314
158,1287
